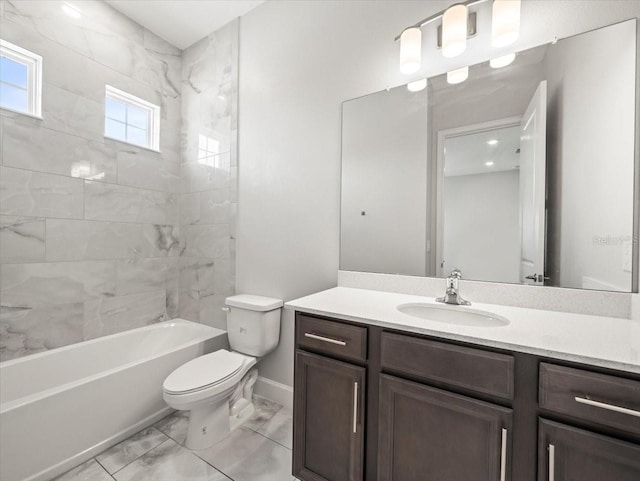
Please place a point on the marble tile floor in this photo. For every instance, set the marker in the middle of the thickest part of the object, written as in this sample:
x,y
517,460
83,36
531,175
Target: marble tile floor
x,y
260,450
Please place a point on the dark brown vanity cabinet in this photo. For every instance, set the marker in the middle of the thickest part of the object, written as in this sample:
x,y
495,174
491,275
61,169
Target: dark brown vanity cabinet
x,y
383,405
603,402
430,434
566,453
329,408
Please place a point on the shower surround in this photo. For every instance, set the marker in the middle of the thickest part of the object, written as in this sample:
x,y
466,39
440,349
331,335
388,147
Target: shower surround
x,y
99,236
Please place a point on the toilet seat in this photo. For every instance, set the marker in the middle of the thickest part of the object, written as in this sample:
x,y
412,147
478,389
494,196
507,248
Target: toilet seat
x,y
204,372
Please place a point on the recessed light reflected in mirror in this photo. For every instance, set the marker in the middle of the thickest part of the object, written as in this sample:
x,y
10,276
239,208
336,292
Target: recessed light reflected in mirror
x,y
489,164
503,61
71,10
458,76
492,142
417,86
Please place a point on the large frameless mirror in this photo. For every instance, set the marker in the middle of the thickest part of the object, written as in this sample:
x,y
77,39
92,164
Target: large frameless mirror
x,y
520,174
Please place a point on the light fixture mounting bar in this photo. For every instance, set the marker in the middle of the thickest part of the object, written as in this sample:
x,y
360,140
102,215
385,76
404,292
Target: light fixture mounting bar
x,y
472,29
437,16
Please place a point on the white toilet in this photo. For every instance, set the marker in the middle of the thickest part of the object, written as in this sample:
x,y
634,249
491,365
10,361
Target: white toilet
x,y
217,388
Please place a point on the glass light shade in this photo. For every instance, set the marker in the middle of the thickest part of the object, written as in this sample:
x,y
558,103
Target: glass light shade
x,y
458,76
410,46
503,61
505,22
454,31
417,86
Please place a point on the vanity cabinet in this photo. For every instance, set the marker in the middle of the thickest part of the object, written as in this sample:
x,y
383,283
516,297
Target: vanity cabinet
x,y
377,404
430,434
329,406
567,453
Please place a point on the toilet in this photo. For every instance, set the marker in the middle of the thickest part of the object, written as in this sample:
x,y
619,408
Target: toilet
x,y
218,387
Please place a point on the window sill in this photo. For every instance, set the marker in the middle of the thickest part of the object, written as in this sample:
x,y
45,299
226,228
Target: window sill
x,y
150,149
20,112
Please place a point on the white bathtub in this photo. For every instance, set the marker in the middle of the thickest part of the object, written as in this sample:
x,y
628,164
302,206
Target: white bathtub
x,y
62,407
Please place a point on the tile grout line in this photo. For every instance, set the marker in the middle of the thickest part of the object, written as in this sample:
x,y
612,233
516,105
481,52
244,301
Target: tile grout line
x,y
95,458
146,452
273,440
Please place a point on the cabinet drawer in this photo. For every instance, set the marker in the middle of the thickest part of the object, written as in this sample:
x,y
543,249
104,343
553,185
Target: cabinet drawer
x,y
472,369
342,340
597,398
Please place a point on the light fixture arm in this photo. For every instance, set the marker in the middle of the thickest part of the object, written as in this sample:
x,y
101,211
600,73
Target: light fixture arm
x,y
437,16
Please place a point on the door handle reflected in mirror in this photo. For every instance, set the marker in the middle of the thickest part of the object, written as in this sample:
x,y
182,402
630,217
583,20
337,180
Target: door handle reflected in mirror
x,y
536,277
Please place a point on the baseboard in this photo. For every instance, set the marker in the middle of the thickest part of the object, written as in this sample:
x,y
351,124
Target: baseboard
x,y
80,458
278,392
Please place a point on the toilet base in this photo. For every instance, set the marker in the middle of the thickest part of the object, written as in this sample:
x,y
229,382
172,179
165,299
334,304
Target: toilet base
x,y
207,425
244,413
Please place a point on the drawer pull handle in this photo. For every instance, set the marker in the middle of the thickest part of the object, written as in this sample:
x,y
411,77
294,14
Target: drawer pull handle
x,y
503,456
325,339
355,407
610,407
552,462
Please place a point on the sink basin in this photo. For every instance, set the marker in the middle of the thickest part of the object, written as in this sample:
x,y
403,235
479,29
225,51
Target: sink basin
x,y
461,316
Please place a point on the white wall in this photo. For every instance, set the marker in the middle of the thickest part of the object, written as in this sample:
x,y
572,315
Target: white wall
x,y
481,226
591,179
384,150
298,62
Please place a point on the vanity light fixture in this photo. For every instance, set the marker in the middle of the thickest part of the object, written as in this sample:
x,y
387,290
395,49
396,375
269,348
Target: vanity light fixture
x,y
489,164
454,30
492,142
417,86
505,22
70,10
458,24
458,75
503,61
410,50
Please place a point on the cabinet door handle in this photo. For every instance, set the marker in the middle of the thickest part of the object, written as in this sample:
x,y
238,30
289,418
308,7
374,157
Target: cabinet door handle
x,y
355,407
609,407
552,462
325,339
503,456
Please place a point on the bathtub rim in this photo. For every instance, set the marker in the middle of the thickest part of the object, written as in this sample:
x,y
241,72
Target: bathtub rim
x,y
208,333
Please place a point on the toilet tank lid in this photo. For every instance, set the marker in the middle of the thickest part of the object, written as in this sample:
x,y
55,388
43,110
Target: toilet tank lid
x,y
254,303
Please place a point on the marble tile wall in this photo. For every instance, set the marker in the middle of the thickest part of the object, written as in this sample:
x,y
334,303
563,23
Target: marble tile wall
x,y
90,228
207,201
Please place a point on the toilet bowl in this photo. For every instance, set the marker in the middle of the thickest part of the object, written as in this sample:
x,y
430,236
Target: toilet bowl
x,y
217,388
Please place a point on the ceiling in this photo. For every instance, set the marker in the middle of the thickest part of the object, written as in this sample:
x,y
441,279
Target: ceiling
x,y
183,22
468,154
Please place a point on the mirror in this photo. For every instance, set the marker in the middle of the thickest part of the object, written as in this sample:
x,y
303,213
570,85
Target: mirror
x,y
520,174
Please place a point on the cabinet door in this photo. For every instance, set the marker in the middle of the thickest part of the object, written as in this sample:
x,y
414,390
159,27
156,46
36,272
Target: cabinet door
x,y
566,453
427,434
328,419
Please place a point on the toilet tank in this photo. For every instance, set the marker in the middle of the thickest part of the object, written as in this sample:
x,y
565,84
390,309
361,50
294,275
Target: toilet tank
x,y
253,323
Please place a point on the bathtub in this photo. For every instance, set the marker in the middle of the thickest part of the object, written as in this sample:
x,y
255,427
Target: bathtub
x,y
62,407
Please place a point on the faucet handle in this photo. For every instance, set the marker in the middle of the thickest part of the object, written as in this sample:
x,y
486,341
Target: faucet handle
x,y
457,273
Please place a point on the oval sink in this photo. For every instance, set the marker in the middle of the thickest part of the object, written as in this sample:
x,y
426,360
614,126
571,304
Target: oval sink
x,y
461,316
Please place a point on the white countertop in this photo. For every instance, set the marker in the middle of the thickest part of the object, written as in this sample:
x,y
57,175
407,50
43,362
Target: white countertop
x,y
600,341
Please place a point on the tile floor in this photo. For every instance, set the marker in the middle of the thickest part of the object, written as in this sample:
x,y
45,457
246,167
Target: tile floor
x,y
260,450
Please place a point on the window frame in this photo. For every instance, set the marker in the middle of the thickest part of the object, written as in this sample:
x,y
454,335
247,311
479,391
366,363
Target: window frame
x,y
153,110
33,62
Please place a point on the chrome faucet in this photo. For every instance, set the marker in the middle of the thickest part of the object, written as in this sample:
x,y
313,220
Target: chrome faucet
x,y
451,295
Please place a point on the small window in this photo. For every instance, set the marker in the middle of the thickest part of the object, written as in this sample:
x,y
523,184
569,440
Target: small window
x,y
208,148
20,80
130,119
